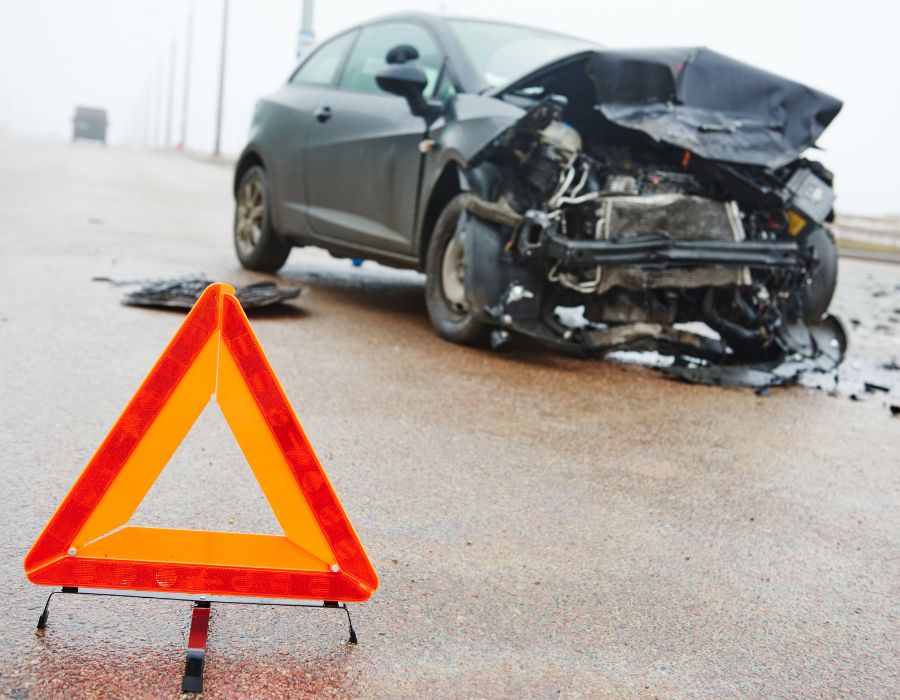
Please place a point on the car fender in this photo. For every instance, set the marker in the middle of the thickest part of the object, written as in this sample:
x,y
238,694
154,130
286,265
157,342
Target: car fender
x,y
468,124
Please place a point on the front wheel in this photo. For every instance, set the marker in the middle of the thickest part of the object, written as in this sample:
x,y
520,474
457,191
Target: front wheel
x,y
257,244
450,307
821,279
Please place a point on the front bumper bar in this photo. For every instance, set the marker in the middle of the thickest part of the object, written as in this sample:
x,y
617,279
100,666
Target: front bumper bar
x,y
664,252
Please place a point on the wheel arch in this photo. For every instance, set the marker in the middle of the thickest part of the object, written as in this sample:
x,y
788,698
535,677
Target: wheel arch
x,y
249,158
449,183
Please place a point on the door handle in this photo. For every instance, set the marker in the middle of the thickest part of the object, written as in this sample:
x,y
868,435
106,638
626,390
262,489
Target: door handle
x,y
322,114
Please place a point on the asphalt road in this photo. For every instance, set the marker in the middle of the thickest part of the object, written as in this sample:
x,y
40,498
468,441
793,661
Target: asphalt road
x,y
542,526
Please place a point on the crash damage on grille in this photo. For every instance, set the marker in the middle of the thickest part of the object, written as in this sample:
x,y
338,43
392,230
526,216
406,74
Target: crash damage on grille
x,y
658,200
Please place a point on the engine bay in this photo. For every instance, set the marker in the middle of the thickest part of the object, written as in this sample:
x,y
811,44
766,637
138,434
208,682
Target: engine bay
x,y
596,244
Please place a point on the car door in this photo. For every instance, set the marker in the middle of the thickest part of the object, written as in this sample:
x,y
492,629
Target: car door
x,y
362,155
288,118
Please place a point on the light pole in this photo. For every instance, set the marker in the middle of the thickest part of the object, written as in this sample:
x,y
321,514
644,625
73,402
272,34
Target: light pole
x,y
171,101
306,36
157,136
188,50
218,150
170,105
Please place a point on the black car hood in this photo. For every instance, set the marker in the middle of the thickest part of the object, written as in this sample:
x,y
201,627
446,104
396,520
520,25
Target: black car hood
x,y
697,99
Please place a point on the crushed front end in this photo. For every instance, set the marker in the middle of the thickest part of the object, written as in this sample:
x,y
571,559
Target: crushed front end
x,y
691,232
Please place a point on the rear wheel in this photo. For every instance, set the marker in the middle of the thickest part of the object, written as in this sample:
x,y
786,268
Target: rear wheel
x,y
257,244
452,312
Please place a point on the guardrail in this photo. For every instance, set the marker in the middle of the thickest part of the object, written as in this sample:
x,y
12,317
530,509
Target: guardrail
x,y
874,238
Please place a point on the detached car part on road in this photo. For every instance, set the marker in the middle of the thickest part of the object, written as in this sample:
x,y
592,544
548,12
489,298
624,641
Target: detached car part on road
x,y
592,199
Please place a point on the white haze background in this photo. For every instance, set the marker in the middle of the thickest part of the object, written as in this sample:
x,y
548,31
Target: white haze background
x,y
56,54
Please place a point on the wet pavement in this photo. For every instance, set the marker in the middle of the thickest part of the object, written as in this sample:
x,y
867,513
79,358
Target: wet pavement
x,y
542,526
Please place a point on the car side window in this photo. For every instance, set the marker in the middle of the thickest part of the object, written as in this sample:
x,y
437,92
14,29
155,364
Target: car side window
x,y
369,55
321,68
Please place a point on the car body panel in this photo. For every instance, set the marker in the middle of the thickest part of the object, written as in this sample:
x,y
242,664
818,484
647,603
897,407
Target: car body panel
x,y
278,137
362,168
695,98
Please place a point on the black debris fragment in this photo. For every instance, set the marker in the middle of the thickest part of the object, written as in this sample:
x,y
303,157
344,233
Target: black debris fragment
x,y
826,349
183,292
261,294
871,387
895,409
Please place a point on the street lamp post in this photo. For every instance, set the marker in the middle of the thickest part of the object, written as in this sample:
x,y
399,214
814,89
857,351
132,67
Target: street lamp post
x,y
218,150
157,135
171,102
188,50
160,140
306,36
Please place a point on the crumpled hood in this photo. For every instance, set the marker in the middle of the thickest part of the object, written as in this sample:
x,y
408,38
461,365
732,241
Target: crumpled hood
x,y
693,98
717,107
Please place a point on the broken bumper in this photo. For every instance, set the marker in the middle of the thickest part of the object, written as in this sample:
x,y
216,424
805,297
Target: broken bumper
x,y
663,252
506,278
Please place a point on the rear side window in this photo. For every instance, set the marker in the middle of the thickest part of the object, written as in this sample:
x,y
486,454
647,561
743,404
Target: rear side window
x,y
369,55
321,68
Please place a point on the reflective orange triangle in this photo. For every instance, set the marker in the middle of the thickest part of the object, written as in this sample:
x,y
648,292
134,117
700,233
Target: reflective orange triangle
x,y
87,542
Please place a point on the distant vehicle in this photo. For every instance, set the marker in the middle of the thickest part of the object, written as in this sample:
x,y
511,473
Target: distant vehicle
x,y
89,123
592,199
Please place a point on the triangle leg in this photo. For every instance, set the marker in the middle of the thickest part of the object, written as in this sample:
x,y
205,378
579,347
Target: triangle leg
x,y
196,652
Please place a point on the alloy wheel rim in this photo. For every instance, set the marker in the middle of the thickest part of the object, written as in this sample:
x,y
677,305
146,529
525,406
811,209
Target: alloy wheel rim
x,y
248,225
453,274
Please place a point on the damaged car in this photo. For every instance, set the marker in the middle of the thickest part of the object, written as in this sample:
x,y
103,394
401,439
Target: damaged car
x,y
591,199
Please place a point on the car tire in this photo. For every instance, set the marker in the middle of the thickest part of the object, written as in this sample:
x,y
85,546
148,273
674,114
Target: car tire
x,y
256,242
819,285
452,312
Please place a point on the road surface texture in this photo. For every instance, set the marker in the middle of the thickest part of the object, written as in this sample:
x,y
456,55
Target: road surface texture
x,y
542,526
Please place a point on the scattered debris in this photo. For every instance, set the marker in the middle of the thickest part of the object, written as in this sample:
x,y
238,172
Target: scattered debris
x,y
895,409
183,292
871,387
826,346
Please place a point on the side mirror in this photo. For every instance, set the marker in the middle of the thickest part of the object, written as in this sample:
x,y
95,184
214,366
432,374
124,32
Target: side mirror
x,y
405,81
400,54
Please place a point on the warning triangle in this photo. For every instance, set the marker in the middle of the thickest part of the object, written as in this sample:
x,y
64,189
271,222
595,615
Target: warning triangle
x,y
87,542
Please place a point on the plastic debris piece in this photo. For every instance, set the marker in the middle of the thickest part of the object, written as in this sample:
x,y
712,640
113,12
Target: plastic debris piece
x,y
183,292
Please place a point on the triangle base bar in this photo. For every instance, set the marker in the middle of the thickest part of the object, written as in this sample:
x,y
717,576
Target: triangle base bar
x,y
162,577
195,661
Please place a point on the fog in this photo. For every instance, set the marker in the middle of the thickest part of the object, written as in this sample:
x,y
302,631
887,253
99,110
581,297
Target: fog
x,y
117,54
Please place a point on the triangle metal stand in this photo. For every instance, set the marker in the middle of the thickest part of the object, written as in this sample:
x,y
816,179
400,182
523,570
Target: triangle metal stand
x,y
200,613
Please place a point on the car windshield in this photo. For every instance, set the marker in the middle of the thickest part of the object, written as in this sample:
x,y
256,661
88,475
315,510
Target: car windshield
x,y
502,52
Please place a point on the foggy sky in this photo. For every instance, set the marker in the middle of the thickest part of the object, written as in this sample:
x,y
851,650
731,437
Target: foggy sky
x,y
115,54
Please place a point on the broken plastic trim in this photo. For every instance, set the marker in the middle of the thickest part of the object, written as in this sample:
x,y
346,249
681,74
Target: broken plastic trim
x,y
827,348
